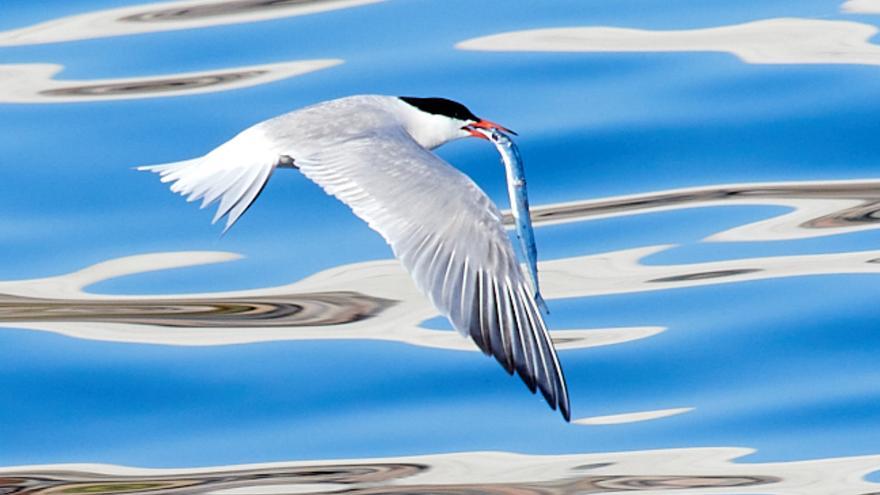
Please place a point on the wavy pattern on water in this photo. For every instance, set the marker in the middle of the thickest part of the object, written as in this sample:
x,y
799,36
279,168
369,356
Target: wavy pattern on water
x,y
166,16
818,208
769,41
35,83
655,471
295,310
362,301
377,300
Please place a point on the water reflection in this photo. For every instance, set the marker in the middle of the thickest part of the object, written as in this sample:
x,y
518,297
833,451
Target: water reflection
x,y
768,41
861,6
818,208
679,470
35,83
362,301
315,309
632,417
377,300
166,16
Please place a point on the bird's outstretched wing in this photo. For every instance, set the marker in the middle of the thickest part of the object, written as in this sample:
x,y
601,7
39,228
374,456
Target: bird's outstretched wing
x,y
449,236
444,229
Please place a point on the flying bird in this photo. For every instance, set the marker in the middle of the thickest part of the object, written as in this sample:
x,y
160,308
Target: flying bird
x,y
373,153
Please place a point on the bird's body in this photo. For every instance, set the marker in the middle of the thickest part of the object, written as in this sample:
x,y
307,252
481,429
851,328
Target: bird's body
x,y
372,153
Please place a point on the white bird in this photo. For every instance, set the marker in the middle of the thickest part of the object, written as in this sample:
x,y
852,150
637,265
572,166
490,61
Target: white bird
x,y
373,153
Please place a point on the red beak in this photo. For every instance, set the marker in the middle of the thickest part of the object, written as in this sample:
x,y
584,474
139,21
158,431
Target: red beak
x,y
485,124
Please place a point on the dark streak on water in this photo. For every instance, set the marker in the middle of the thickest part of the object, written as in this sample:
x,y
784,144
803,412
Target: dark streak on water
x,y
155,85
235,7
91,483
867,213
313,309
706,275
70,482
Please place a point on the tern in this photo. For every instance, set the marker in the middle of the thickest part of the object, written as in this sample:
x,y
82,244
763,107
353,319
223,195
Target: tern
x,y
373,153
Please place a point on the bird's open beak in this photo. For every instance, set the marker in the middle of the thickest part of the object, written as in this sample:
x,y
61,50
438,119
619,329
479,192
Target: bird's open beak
x,y
485,124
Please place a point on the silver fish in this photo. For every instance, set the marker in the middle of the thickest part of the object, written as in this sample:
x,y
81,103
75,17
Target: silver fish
x,y
519,204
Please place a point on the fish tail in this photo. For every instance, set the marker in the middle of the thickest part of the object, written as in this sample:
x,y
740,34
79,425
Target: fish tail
x,y
539,300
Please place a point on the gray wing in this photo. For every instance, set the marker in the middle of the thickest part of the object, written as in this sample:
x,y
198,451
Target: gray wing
x,y
448,234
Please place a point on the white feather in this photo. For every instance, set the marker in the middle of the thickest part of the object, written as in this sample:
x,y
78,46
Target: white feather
x,y
234,173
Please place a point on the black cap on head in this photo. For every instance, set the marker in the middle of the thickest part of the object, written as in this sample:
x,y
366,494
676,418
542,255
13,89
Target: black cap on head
x,y
441,106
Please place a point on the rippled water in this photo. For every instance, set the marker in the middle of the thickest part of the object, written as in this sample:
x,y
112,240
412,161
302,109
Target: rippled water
x,y
703,183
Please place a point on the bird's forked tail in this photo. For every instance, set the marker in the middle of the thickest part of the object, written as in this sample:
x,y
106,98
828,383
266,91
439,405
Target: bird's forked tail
x,y
234,173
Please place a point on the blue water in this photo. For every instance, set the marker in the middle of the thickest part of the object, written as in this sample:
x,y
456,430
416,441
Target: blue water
x,y
786,366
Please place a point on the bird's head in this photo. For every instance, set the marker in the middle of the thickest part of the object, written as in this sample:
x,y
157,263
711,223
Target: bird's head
x,y
436,121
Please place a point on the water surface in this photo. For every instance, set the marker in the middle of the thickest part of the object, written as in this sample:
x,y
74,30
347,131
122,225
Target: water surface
x,y
706,219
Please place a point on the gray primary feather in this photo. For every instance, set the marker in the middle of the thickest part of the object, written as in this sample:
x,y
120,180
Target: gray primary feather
x,y
443,228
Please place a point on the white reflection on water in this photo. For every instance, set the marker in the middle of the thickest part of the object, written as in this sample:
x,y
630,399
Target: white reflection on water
x,y
374,300
166,16
862,6
769,41
632,417
685,471
35,83
818,208
377,300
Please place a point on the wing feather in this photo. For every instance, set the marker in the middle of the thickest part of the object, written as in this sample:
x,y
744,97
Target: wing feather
x,y
444,229
449,236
